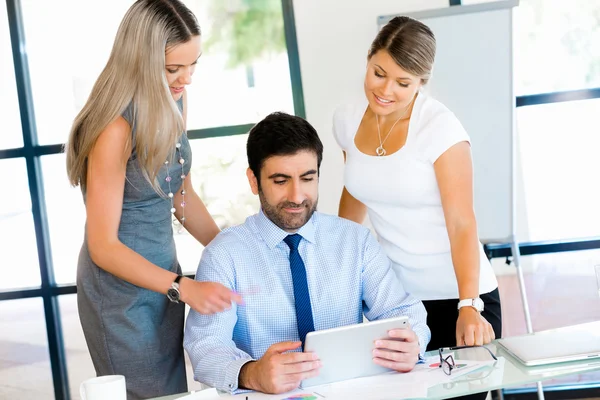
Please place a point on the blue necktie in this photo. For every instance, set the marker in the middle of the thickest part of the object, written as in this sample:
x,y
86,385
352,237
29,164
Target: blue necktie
x,y
304,314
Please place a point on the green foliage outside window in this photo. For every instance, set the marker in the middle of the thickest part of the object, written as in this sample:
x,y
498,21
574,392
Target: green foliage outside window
x,y
246,30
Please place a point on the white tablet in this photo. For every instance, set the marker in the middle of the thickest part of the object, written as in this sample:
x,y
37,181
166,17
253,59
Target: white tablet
x,y
347,352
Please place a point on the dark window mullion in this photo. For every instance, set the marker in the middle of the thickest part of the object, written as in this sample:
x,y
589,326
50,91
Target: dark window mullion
x,y
557,97
48,149
550,246
291,42
12,153
38,204
220,131
26,293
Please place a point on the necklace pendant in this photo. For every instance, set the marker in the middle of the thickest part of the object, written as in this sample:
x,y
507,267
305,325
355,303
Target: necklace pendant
x,y
380,151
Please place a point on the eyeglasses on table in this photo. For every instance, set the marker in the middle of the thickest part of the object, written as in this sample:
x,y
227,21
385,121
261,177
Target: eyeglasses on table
x,y
447,363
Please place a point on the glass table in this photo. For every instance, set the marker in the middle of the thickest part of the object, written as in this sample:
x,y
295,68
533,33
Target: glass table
x,y
506,373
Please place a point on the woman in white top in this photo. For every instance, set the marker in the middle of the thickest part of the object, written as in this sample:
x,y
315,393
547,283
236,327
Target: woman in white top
x,y
408,165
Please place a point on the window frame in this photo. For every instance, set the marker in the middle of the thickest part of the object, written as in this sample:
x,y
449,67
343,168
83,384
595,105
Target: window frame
x,y
32,152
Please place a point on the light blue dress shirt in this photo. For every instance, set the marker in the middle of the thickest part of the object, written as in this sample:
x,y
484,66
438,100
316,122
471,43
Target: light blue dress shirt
x,y
348,274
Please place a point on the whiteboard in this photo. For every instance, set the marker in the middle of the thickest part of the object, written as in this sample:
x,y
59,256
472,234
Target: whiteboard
x,y
472,76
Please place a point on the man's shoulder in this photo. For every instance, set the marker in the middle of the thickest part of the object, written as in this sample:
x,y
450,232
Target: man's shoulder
x,y
232,237
332,224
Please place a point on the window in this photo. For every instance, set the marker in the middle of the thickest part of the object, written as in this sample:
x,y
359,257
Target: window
x,y
79,364
219,173
243,75
219,178
556,50
559,157
66,218
62,80
232,86
19,266
24,362
557,45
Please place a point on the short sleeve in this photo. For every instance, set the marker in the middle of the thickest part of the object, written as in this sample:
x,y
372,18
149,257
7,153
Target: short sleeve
x,y
440,133
346,119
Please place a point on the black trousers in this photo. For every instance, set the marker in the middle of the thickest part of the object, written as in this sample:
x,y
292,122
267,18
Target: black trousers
x,y
442,316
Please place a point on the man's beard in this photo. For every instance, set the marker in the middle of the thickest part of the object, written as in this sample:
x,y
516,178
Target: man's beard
x,y
284,220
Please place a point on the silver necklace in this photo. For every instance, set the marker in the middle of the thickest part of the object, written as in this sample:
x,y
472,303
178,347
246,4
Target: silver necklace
x,y
380,151
170,194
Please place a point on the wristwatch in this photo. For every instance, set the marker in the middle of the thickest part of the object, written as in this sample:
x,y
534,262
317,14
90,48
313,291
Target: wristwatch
x,y
477,304
173,293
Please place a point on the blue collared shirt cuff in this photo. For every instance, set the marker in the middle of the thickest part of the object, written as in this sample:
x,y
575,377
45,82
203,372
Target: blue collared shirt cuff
x,y
424,337
232,375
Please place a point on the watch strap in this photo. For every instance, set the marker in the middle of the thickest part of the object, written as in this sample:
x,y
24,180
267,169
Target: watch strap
x,y
476,303
173,294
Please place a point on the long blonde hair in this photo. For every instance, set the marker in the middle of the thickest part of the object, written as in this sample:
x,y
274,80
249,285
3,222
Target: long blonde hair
x,y
135,74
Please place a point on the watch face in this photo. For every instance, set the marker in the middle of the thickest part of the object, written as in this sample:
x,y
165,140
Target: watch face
x,y
173,295
478,304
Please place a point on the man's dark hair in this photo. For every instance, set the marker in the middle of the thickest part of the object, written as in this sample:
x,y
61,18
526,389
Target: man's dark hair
x,y
281,134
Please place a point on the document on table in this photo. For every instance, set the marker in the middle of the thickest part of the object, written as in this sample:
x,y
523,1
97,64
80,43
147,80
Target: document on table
x,y
388,386
206,394
433,375
298,394
394,385
391,385
480,379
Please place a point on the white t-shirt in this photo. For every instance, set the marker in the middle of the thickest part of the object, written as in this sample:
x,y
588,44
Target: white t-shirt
x,y
403,197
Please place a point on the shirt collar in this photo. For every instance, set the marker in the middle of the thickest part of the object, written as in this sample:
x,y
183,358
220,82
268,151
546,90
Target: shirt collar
x,y
273,235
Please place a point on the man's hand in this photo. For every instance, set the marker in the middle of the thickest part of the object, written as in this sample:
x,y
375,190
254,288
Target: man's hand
x,y
400,352
472,329
278,371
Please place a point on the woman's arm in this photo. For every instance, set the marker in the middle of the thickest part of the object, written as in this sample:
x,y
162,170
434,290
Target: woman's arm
x,y
198,222
107,164
454,173
350,208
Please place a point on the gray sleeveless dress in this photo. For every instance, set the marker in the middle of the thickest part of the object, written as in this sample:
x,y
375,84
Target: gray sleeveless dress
x,y
129,330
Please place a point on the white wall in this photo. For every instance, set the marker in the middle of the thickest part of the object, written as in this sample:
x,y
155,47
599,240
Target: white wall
x,y
333,40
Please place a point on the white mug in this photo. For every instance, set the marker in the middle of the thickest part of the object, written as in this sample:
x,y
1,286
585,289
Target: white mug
x,y
109,387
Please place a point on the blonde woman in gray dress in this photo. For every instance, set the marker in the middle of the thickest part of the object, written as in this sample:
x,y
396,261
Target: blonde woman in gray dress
x,y
129,153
